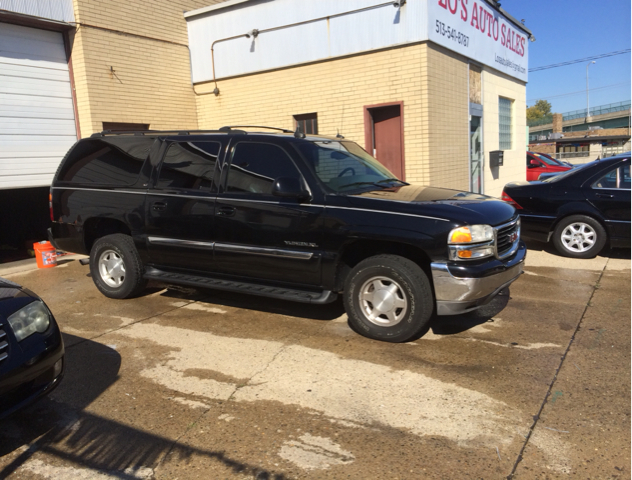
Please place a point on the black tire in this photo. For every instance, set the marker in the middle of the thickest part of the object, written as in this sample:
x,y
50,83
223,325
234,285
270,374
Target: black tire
x,y
579,236
116,267
405,298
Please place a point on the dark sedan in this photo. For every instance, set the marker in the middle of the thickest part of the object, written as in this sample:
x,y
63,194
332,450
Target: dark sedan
x,y
31,348
579,210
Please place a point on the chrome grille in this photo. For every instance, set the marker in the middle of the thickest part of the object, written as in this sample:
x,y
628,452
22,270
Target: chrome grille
x,y
4,345
507,238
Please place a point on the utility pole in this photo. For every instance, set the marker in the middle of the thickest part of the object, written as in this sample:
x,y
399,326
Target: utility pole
x,y
587,103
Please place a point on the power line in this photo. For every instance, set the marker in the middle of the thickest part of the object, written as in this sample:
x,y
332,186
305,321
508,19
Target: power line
x,y
583,92
571,62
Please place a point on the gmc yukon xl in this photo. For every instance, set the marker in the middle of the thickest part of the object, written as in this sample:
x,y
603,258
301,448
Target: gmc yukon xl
x,y
283,215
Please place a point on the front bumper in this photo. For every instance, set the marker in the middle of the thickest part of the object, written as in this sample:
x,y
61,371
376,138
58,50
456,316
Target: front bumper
x,y
456,294
25,384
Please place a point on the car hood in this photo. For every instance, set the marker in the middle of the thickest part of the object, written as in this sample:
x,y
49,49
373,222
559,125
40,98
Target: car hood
x,y
462,207
13,297
4,283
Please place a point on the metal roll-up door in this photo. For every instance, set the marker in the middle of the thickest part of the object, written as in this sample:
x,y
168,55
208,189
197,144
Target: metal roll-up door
x,y
37,122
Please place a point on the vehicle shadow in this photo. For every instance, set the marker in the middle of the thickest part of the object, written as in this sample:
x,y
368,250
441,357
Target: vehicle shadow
x,y
440,325
60,426
453,324
618,253
328,311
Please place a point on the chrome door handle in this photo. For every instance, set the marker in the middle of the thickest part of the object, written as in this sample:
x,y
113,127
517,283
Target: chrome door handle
x,y
159,206
226,211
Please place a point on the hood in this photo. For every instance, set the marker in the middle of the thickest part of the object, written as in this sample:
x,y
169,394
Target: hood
x,y
4,283
13,297
462,207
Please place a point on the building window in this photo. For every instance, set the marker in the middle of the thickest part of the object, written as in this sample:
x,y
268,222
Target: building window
x,y
505,123
307,122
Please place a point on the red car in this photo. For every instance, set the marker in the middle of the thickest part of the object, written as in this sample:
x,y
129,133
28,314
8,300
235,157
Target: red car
x,y
538,163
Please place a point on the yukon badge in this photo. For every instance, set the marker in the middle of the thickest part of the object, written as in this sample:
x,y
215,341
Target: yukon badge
x,y
300,244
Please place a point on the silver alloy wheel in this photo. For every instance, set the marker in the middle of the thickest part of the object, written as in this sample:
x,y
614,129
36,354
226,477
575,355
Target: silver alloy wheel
x,y
578,237
383,301
112,268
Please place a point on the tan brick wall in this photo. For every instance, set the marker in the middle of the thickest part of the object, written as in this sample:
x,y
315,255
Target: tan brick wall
x,y
496,84
598,133
435,100
445,119
152,18
151,82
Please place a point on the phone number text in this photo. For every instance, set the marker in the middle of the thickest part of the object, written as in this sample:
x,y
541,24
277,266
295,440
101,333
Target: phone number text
x,y
449,32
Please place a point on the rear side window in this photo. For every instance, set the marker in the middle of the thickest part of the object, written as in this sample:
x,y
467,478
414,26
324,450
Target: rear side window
x,y
107,161
616,178
189,165
255,166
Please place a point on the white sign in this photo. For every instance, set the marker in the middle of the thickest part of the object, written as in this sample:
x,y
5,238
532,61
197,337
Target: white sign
x,y
477,31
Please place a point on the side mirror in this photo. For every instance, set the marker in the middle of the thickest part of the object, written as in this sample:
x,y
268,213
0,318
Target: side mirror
x,y
290,187
534,163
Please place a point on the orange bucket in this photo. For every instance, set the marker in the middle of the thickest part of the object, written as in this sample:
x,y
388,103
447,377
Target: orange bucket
x,y
45,254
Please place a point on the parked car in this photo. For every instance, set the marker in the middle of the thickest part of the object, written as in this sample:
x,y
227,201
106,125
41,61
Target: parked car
x,y
538,163
285,216
550,157
580,210
31,348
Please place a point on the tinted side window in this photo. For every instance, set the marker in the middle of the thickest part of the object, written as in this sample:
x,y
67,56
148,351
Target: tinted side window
x,y
616,178
255,166
108,161
189,165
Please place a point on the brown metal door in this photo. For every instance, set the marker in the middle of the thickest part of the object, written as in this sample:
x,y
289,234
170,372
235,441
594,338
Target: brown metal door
x,y
386,137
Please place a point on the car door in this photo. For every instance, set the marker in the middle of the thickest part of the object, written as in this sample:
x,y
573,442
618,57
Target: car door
x,y
609,192
261,236
534,167
179,208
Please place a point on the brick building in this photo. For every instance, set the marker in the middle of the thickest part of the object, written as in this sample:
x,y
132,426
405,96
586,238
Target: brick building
x,y
429,86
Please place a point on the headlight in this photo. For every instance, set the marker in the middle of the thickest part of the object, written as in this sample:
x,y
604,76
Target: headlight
x,y
471,234
471,242
30,319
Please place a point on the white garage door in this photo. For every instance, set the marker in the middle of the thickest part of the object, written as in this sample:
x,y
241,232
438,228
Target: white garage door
x,y
37,124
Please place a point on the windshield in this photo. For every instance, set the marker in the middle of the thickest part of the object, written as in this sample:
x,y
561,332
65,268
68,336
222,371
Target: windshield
x,y
562,175
548,160
344,166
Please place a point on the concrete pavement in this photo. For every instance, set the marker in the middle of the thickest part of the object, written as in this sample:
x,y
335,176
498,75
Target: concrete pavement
x,y
185,383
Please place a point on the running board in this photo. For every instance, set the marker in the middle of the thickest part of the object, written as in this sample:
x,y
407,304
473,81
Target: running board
x,y
294,295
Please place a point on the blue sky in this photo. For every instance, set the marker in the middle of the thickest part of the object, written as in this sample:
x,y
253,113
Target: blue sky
x,y
568,30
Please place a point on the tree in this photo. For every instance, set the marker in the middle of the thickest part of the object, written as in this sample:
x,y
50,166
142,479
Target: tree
x,y
541,109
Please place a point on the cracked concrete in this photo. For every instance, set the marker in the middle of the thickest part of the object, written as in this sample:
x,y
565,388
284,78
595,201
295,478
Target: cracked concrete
x,y
200,384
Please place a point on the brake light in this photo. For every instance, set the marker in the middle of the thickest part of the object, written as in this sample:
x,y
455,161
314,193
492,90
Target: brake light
x,y
510,201
50,205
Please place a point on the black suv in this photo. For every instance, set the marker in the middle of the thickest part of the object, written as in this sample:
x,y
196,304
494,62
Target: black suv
x,y
282,215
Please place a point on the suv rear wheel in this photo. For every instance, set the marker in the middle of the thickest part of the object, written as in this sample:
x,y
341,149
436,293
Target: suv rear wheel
x,y
116,267
388,298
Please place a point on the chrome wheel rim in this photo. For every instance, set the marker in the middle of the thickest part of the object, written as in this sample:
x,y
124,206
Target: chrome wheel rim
x,y
111,268
383,302
578,237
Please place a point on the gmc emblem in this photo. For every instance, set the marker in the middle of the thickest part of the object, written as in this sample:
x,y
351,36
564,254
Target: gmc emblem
x,y
513,237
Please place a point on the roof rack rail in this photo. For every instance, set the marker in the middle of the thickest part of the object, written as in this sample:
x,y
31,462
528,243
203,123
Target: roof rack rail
x,y
228,128
154,132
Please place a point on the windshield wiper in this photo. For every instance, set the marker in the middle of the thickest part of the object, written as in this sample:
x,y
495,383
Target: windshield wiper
x,y
392,180
378,183
359,184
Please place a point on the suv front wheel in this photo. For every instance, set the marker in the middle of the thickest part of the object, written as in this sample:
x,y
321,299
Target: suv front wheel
x,y
388,298
116,267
